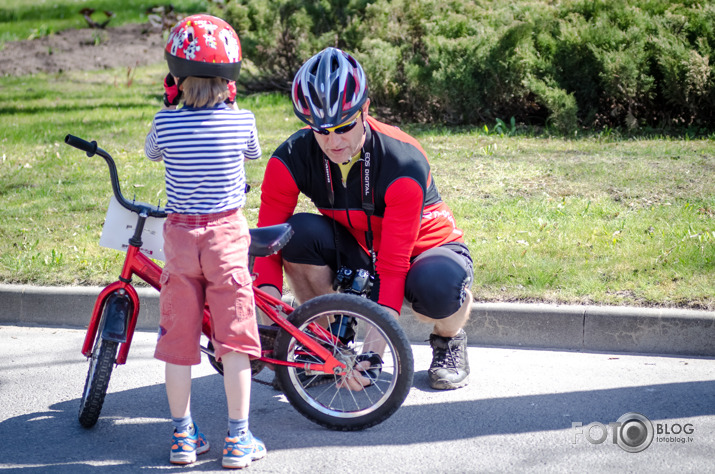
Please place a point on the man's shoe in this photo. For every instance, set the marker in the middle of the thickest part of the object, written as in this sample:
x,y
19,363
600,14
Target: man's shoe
x,y
185,446
450,364
240,451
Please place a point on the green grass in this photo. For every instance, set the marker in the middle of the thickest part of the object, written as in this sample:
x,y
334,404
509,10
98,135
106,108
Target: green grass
x,y
27,19
594,220
55,197
602,219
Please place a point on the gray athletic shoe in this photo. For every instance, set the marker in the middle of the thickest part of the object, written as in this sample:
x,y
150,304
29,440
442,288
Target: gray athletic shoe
x,y
450,364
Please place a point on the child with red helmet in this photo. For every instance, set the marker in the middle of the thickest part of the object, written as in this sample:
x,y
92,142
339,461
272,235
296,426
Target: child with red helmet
x,y
203,145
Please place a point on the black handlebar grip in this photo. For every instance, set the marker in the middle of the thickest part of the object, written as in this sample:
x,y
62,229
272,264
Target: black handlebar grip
x,y
90,148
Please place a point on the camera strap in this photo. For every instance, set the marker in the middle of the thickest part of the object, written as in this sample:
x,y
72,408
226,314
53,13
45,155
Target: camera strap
x,y
331,200
368,200
367,196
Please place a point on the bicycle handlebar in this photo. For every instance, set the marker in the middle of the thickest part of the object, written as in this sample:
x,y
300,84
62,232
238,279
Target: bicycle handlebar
x,y
91,149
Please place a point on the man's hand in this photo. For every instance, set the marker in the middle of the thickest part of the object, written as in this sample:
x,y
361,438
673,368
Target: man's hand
x,y
355,380
172,93
366,371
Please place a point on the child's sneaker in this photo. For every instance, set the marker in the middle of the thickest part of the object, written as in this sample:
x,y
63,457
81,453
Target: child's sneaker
x,y
238,452
185,446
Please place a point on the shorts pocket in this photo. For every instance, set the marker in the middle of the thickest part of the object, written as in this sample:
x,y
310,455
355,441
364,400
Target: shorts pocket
x,y
165,305
163,278
244,295
242,277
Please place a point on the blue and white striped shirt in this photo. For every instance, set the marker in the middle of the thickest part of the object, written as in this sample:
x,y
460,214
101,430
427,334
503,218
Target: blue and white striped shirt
x,y
203,151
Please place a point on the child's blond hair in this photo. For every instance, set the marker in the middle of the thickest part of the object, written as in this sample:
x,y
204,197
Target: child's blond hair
x,y
204,91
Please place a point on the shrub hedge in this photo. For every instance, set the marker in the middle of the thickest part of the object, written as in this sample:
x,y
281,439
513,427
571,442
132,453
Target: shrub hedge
x,y
577,64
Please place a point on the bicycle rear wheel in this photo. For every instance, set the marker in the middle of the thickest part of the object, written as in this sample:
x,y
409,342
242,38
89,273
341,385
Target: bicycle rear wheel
x,y
320,397
101,364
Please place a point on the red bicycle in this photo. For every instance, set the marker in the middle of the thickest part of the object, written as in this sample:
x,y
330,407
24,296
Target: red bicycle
x,y
312,348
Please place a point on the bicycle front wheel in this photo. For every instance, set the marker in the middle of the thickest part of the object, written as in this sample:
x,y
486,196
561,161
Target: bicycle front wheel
x,y
101,364
324,398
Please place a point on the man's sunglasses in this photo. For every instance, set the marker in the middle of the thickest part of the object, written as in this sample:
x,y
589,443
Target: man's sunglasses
x,y
340,129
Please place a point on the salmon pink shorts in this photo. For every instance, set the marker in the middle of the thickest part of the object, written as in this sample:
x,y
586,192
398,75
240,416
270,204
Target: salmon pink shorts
x,y
206,262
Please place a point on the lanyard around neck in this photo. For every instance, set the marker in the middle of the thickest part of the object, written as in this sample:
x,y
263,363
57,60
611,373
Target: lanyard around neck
x,y
367,168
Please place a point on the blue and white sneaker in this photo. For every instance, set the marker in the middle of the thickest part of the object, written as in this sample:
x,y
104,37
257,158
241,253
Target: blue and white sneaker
x,y
185,446
240,451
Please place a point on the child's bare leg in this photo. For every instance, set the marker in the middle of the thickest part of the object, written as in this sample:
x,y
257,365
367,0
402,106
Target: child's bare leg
x,y
237,383
178,389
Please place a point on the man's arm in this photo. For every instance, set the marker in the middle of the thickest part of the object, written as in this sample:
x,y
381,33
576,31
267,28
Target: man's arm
x,y
400,228
279,196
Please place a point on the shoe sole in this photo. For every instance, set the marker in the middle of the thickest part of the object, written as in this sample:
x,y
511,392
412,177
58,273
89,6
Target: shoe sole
x,y
447,385
242,463
187,458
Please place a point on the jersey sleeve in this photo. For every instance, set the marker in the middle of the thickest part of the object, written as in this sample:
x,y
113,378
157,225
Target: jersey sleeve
x,y
400,227
253,150
151,148
279,197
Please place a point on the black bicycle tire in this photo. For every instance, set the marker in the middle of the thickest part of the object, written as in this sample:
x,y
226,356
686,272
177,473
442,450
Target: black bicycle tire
x,y
95,386
376,315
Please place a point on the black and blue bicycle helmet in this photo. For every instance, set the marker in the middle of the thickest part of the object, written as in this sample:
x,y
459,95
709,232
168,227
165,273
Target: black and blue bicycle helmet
x,y
328,89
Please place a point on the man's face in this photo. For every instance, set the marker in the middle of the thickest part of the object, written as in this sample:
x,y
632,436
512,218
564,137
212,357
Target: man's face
x,y
338,147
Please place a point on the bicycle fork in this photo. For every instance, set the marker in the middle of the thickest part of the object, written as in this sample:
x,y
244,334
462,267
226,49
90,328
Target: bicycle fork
x,y
115,315
117,307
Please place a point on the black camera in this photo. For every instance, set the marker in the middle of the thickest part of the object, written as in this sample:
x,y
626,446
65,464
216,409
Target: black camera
x,y
353,282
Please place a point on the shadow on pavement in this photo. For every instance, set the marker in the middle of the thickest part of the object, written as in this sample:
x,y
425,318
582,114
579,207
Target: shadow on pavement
x,y
133,432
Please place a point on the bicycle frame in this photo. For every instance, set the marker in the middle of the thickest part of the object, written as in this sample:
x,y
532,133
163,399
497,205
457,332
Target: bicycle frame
x,y
138,264
267,304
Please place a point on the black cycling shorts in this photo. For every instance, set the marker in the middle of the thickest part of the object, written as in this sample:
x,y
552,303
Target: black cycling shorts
x,y
436,281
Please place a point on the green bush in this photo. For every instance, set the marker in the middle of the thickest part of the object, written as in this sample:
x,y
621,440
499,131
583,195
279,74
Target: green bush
x,y
588,63
279,35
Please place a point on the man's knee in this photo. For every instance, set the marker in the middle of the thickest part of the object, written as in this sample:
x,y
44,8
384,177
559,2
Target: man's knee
x,y
437,301
311,236
436,285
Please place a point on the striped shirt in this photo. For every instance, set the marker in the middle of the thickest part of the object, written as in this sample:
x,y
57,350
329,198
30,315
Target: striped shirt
x,y
203,151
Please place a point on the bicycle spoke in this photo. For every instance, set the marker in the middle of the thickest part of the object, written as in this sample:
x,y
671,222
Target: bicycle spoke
x,y
348,327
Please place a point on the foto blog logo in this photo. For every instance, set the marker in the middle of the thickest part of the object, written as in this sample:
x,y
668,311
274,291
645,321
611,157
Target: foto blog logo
x,y
632,432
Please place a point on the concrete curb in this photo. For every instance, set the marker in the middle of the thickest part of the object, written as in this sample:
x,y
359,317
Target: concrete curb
x,y
564,327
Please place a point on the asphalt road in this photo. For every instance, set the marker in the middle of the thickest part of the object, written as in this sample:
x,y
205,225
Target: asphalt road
x,y
517,415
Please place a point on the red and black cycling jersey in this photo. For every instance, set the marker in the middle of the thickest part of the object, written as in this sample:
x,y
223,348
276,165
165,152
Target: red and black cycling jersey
x,y
409,217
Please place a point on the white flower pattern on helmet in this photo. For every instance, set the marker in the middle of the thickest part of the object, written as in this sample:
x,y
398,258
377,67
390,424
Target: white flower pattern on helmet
x,y
230,44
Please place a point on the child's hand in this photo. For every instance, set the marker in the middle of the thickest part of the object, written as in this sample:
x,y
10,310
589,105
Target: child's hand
x,y
231,93
172,94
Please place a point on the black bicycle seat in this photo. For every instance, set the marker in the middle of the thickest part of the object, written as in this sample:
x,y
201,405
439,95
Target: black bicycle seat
x,y
268,240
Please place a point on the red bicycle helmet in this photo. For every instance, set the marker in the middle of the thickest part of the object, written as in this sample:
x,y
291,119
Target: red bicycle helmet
x,y
329,89
203,46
